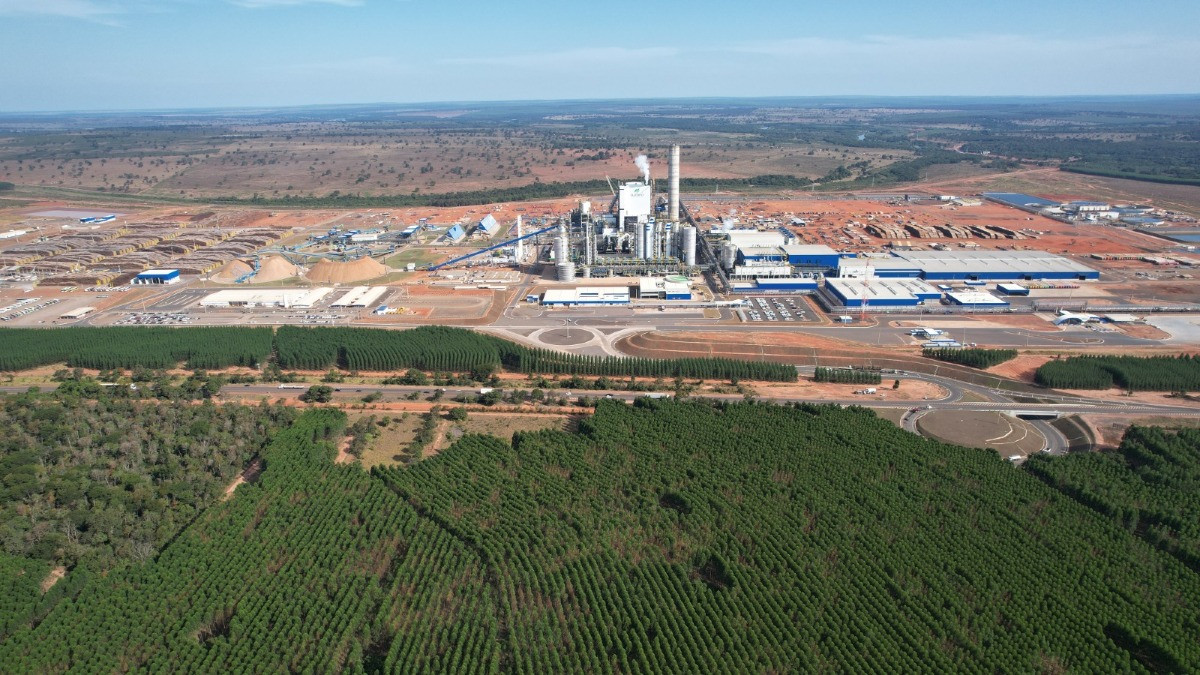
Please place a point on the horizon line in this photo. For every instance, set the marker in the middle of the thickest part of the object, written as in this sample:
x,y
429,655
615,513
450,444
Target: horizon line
x,y
635,99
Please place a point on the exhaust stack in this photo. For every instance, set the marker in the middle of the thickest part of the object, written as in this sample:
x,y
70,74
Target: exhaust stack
x,y
673,185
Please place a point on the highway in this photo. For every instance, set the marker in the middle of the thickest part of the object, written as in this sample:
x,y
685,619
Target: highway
x,y
993,400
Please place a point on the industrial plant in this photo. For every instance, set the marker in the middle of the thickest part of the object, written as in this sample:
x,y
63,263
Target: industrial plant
x,y
639,234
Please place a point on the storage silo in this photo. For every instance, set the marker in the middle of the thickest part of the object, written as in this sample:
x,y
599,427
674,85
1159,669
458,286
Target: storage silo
x,y
729,255
565,271
689,246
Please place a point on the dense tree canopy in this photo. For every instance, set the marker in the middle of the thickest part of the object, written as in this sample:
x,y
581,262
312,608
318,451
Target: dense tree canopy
x,y
666,536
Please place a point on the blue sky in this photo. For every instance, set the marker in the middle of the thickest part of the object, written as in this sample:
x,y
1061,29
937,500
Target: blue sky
x,y
137,54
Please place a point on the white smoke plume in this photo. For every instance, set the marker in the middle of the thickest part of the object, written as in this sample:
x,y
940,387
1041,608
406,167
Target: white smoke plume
x,y
643,163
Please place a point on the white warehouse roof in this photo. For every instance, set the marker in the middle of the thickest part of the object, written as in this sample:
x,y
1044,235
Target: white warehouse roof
x,y
268,297
883,289
970,262
748,238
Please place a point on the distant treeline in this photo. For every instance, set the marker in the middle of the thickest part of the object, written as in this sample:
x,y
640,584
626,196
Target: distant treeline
x,y
1131,176
529,192
1173,160
6,186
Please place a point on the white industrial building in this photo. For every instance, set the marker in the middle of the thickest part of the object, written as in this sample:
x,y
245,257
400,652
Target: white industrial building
x,y
744,239
881,292
975,299
360,296
664,289
266,297
587,295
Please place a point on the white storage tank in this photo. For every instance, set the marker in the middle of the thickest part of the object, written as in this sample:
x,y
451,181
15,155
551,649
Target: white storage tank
x,y
689,246
565,271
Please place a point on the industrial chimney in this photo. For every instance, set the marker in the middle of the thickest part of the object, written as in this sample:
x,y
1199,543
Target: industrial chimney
x,y
673,183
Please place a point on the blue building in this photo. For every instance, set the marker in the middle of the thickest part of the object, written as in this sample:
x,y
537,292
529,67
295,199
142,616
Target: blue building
x,y
150,277
817,257
456,233
488,225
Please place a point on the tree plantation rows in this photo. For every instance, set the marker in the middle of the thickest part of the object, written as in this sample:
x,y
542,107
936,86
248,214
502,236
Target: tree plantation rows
x,y
1148,486
129,346
846,376
1134,373
765,538
975,358
433,348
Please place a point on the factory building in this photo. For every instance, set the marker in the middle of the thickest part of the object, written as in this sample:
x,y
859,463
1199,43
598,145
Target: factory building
x,y
883,268
743,239
968,266
817,257
881,292
670,288
266,297
996,265
456,233
153,277
586,295
978,299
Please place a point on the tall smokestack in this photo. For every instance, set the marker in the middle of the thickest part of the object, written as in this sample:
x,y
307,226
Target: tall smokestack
x,y
520,252
673,182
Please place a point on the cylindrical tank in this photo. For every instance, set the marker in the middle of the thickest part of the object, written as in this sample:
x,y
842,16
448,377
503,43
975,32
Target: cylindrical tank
x,y
668,242
565,271
560,249
689,246
729,255
586,272
648,241
585,208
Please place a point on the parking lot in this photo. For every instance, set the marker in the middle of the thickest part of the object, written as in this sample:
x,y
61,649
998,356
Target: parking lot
x,y
781,308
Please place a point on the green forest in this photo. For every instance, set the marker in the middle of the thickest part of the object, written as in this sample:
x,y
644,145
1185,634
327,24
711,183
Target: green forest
x,y
1133,373
970,356
1149,486
846,375
767,538
434,348
100,482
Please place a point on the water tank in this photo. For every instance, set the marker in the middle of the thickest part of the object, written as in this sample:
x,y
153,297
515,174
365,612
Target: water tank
x,y
689,246
565,271
729,255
